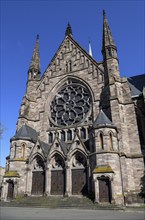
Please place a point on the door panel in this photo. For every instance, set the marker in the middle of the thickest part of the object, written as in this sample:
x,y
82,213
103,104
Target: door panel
x,y
57,182
79,182
10,190
38,181
104,190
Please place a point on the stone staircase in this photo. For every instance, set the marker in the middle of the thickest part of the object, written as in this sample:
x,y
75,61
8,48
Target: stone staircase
x,y
57,202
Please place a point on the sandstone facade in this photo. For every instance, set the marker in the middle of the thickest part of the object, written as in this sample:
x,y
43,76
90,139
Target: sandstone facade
x,y
81,128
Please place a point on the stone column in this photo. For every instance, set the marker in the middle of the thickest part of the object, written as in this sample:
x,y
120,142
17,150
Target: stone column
x,y
48,189
96,190
68,179
29,182
47,182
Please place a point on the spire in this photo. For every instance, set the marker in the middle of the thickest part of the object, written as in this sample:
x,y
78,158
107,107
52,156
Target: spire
x,y
109,52
35,61
107,36
68,30
90,49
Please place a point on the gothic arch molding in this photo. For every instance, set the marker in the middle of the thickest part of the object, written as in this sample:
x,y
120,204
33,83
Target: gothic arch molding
x,y
37,154
55,152
57,88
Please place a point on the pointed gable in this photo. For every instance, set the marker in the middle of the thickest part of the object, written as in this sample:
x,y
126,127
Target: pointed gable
x,y
70,57
58,146
65,147
45,147
102,119
76,144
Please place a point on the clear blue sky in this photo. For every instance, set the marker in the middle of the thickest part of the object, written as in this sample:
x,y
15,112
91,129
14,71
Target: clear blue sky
x,y
21,21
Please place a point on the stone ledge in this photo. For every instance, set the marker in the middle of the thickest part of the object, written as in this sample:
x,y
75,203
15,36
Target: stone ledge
x,y
11,174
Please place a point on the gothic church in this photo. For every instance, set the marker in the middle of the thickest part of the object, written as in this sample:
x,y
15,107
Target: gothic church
x,y
81,128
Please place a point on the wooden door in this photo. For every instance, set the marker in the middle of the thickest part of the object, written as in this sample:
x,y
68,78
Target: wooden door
x,y
104,190
57,182
79,182
10,190
38,183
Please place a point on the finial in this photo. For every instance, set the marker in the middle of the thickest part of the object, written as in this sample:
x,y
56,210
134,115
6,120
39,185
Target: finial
x,y
68,30
104,13
37,37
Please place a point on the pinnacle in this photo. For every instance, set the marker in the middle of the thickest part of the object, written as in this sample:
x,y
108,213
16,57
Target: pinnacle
x,y
107,36
35,61
68,30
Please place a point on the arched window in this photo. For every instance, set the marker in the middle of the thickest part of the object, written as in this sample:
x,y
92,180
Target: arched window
x,y
66,67
82,59
15,149
70,66
58,162
63,135
69,135
109,52
79,160
50,138
58,61
38,163
101,141
78,55
83,133
111,141
23,150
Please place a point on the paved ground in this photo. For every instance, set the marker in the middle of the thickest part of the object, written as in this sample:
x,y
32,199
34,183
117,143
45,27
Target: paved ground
x,y
21,213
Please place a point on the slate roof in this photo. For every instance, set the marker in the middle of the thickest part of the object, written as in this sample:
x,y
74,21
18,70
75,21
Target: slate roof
x,y
134,90
45,147
65,147
102,119
26,133
136,84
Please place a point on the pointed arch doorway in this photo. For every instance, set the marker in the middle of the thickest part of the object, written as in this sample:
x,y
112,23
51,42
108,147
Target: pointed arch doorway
x,y
58,176
38,176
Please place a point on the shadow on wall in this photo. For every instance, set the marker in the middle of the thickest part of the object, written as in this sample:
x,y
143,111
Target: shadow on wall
x,y
142,192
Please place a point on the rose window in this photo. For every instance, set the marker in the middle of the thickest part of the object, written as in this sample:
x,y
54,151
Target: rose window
x,y
70,105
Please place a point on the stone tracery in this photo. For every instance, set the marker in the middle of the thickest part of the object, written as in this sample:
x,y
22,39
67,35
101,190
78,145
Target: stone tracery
x,y
70,105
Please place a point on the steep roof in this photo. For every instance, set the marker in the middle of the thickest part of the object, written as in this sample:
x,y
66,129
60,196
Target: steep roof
x,y
102,119
134,90
84,52
136,84
45,147
65,147
26,133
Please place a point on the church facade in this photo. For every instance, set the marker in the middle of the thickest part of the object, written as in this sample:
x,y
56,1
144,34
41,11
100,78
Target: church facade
x,y
81,128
